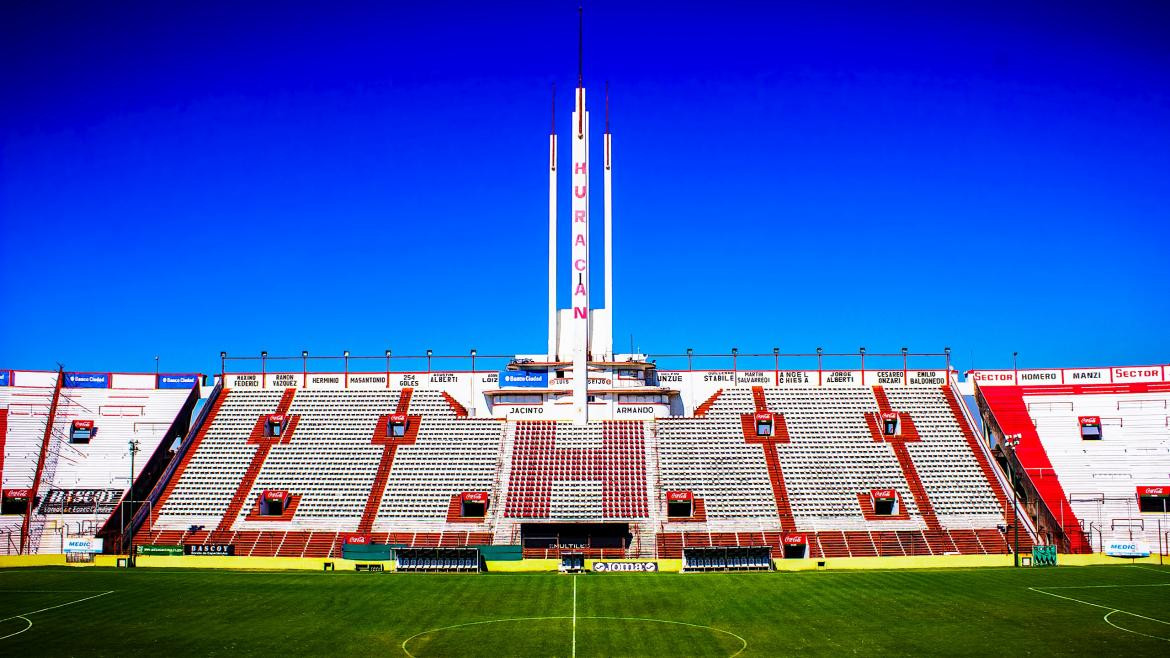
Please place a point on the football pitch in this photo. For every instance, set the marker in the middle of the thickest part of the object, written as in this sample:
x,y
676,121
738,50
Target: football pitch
x,y
1117,610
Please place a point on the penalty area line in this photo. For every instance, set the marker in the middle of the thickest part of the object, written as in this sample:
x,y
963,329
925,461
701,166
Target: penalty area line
x,y
1104,586
1111,612
24,615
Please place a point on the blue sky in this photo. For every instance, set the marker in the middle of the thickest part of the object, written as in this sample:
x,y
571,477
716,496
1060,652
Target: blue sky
x,y
181,181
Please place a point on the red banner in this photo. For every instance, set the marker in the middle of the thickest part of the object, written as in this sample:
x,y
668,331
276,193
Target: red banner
x,y
397,418
83,424
679,496
18,494
794,539
883,494
764,416
276,418
275,495
475,496
1089,420
355,539
889,415
1153,491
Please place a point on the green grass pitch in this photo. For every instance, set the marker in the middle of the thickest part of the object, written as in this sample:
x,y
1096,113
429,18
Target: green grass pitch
x,y
1108,610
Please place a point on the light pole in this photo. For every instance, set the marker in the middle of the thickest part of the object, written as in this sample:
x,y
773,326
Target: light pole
x,y
735,366
304,367
222,366
387,368
820,351
1015,368
429,353
345,356
776,356
1011,441
905,372
690,356
156,369
473,360
263,368
130,499
862,350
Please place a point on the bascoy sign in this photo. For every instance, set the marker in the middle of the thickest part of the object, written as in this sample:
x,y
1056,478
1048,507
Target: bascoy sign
x,y
210,549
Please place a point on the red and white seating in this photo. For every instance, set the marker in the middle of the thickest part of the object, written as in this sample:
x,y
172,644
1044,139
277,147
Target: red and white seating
x,y
561,471
75,473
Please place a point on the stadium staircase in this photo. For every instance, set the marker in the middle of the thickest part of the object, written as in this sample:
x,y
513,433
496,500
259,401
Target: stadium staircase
x,y
1011,414
503,530
646,544
771,458
938,539
389,447
978,449
264,444
26,525
187,448
702,409
459,410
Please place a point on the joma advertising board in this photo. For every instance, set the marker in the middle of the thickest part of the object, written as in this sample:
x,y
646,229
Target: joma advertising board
x,y
625,567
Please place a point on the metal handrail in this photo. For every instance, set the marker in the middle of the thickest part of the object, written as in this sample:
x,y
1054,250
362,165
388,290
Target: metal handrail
x,y
152,498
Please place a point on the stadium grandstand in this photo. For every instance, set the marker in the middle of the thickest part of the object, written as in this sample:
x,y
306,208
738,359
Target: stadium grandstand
x,y
797,463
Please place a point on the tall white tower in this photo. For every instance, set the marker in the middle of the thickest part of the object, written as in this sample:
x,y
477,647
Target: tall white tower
x,y
552,231
579,333
579,274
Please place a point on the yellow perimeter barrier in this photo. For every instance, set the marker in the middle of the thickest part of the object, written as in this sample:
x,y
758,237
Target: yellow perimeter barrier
x,y
57,560
944,562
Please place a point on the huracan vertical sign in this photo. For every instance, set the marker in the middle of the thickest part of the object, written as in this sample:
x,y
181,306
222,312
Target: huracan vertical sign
x,y
579,277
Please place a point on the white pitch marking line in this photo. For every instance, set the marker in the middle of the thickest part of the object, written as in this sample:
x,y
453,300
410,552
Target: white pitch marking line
x,y
24,615
470,623
1111,611
1161,571
574,615
26,620
1104,586
742,648
682,623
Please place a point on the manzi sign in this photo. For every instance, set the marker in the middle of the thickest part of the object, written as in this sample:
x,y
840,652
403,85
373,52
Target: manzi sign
x,y
611,567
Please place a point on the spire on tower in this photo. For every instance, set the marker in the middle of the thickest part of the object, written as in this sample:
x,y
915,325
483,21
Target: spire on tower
x,y
580,72
552,130
580,45
607,107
